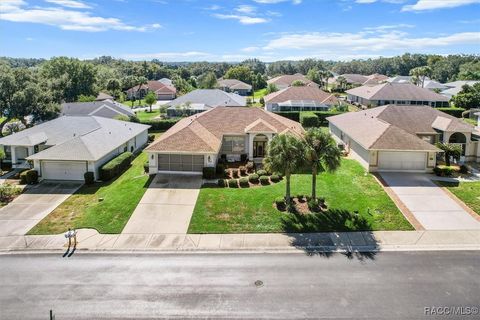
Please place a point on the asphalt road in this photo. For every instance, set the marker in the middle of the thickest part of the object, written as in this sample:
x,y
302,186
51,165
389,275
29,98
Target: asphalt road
x,y
393,285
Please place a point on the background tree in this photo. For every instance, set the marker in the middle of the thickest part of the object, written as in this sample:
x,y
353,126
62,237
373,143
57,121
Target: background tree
x,y
313,75
324,76
242,73
207,81
321,154
271,87
468,98
114,86
342,82
469,71
298,83
450,151
150,99
421,73
284,154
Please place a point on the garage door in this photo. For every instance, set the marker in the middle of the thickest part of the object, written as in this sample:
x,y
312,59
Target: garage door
x,y
402,161
180,162
63,170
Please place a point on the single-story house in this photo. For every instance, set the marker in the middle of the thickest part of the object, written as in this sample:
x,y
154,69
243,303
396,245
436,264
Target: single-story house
x,y
236,86
356,79
395,93
167,82
106,109
454,88
402,138
201,100
285,81
67,147
161,90
103,96
300,99
230,133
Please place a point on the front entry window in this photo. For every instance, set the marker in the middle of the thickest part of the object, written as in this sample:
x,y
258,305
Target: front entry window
x,y
259,149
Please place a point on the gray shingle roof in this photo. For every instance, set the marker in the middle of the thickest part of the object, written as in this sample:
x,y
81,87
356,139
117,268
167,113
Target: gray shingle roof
x,y
210,97
396,91
106,108
234,84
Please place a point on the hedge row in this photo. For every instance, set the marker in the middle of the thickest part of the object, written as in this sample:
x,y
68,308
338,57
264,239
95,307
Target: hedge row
x,y
308,119
160,125
115,166
455,112
296,115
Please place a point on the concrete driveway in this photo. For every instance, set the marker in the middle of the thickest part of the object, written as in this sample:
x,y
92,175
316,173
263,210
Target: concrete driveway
x,y
430,205
166,206
23,213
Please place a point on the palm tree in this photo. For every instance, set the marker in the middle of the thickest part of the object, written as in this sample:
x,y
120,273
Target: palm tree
x,y
325,75
140,82
284,154
420,73
321,153
450,150
342,82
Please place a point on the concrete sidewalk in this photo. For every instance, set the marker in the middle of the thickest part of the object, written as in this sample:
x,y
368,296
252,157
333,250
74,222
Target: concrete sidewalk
x,y
91,240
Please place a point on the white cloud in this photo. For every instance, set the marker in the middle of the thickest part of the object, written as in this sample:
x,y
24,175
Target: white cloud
x,y
170,56
387,1
277,1
242,18
245,9
64,18
250,49
70,4
384,28
422,5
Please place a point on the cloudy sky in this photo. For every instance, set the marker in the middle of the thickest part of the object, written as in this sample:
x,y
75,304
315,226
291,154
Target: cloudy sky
x,y
233,30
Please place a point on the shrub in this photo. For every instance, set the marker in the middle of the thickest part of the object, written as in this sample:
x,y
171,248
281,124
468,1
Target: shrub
x,y
31,176
151,137
23,177
242,170
253,178
250,166
262,173
115,166
160,125
264,180
221,183
8,192
235,173
280,203
278,174
445,171
244,182
323,115
232,183
243,157
89,177
300,196
220,169
146,165
292,115
308,119
274,178
464,169
312,204
208,172
455,112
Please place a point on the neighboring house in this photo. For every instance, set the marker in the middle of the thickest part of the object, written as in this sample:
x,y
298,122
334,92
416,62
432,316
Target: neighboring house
x,y
395,93
67,147
166,82
300,99
106,109
201,100
402,79
355,79
285,81
230,133
161,90
453,88
433,85
402,138
236,86
104,96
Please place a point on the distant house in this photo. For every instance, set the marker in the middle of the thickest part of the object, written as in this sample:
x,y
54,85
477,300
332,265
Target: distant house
x,y
402,138
201,100
355,79
166,82
285,81
299,99
231,134
236,86
454,88
161,90
106,109
395,93
428,83
103,96
67,147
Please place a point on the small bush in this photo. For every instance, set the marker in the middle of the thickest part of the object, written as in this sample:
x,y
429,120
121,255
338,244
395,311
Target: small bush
x,y
242,170
23,177
8,192
220,169
262,173
115,166
146,165
313,205
235,173
208,172
232,183
250,166
280,203
221,183
300,197
445,171
89,177
253,178
31,176
278,174
151,137
244,182
264,180
464,169
274,178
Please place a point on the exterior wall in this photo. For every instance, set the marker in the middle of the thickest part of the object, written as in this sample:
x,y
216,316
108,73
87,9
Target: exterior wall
x,y
251,137
355,150
374,103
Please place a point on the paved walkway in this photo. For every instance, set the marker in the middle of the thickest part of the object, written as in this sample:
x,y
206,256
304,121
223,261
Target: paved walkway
x,y
430,205
166,206
23,213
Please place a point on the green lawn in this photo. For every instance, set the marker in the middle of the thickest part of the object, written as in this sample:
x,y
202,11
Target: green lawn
x,y
137,103
468,192
84,210
145,115
223,210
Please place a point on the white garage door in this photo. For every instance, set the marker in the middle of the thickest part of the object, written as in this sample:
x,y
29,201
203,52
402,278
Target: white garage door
x,y
183,162
401,161
63,170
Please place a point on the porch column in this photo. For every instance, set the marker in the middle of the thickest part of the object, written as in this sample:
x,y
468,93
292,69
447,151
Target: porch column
x,y
31,150
250,146
14,156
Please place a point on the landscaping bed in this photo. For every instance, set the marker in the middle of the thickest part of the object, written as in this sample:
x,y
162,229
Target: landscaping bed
x,y
468,192
104,206
355,202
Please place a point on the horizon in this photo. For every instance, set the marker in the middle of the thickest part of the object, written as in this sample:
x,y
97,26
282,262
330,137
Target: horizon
x,y
188,31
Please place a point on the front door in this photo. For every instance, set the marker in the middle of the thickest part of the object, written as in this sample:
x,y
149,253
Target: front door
x,y
259,149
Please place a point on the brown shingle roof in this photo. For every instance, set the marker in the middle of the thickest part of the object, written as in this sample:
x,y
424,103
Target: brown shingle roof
x,y
396,91
301,93
204,132
287,79
154,86
233,84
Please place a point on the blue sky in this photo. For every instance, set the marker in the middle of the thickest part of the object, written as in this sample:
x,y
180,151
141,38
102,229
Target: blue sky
x,y
233,30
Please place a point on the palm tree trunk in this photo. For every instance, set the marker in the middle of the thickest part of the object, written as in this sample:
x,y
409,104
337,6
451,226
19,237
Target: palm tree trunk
x,y
447,159
287,187
2,125
314,182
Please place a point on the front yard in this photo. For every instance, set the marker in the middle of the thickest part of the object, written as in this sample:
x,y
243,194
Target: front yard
x,y
468,192
349,190
104,206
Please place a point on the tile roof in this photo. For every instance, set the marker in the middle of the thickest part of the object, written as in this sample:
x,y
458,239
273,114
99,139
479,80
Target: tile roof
x,y
106,108
396,127
203,133
233,84
301,93
396,91
210,97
